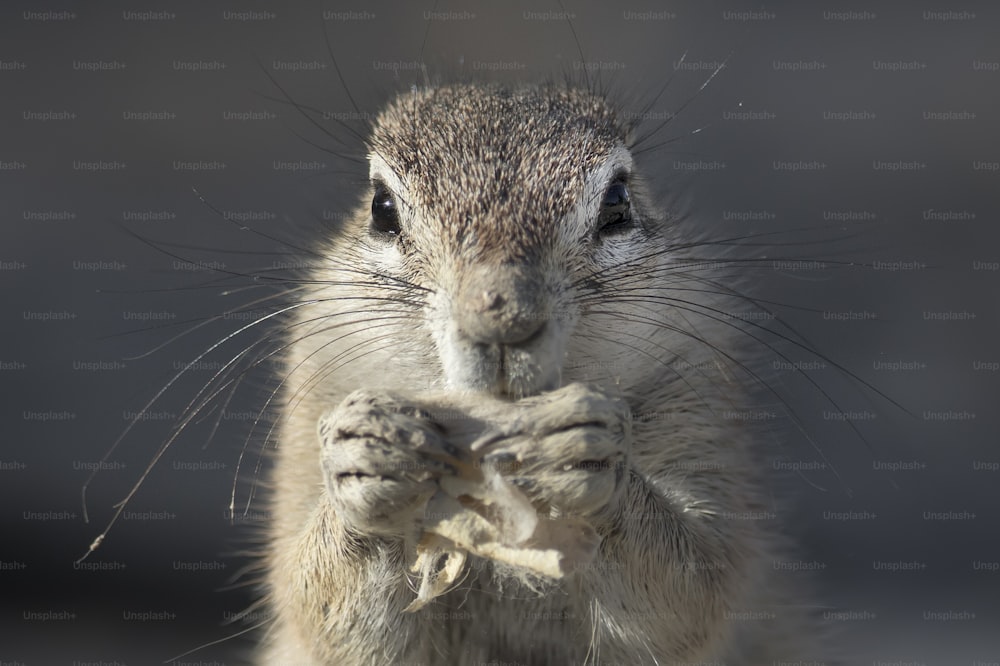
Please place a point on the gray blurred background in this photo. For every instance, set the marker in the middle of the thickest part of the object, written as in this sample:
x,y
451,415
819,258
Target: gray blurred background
x,y
866,135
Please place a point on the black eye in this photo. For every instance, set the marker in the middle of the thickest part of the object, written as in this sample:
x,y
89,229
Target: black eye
x,y
385,216
616,209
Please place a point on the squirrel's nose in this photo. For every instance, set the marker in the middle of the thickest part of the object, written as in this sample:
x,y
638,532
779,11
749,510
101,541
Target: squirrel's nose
x,y
500,305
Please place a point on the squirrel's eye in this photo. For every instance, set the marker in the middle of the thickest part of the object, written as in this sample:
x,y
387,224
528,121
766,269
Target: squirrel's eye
x,y
385,216
616,209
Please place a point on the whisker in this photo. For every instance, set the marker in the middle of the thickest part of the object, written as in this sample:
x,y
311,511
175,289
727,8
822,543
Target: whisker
x,y
302,110
799,424
120,507
280,385
198,323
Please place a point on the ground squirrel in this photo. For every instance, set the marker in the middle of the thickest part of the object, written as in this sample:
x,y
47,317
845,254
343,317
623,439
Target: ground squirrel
x,y
507,257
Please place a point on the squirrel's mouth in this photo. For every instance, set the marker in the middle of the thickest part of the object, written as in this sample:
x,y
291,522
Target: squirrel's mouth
x,y
510,371
522,374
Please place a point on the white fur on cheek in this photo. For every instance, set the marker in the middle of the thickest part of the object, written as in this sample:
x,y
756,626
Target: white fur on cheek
x,y
379,170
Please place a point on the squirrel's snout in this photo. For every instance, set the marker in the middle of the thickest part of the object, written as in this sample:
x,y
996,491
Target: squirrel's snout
x,y
500,305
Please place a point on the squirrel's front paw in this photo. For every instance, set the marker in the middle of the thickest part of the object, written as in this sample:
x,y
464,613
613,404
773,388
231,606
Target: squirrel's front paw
x,y
568,449
381,458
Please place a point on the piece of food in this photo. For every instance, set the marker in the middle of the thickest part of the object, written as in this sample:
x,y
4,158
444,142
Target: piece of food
x,y
490,518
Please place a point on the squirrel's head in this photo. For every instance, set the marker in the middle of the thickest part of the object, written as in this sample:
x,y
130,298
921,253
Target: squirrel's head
x,y
507,212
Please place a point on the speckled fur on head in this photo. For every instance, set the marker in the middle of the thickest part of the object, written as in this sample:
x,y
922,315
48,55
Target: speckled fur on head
x,y
492,153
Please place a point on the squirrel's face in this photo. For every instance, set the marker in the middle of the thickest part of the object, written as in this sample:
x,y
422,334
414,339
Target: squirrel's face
x,y
506,212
